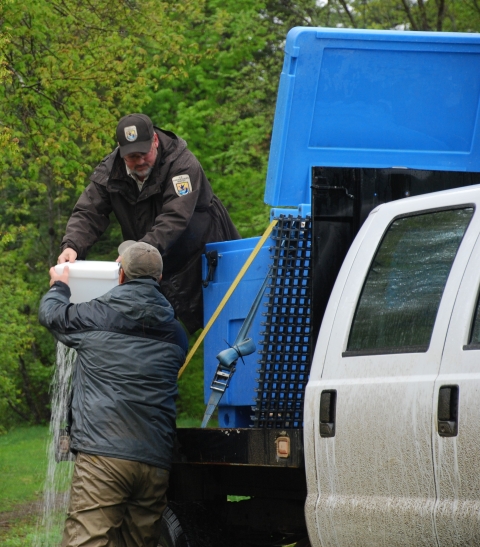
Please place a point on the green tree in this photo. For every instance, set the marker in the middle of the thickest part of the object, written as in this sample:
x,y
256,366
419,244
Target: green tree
x,y
417,15
71,69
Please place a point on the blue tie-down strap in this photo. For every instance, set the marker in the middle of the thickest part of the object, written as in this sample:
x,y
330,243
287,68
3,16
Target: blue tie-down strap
x,y
226,367
229,357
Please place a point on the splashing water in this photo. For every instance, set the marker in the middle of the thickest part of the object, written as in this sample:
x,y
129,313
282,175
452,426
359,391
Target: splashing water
x,y
56,491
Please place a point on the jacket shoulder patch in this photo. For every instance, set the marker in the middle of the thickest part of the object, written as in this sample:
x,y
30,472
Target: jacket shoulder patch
x,y
182,185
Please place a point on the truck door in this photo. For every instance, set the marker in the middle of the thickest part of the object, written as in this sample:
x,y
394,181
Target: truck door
x,y
371,388
456,410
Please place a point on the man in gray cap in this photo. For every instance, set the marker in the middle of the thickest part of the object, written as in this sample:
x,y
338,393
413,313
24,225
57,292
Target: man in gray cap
x,y
129,350
160,195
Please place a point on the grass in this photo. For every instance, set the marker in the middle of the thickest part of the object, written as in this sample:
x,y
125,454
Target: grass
x,y
25,531
189,422
23,463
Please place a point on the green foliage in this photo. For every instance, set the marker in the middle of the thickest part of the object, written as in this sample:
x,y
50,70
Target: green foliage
x,y
7,143
25,368
417,15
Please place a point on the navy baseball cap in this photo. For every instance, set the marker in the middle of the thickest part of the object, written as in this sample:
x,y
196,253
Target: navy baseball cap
x,y
135,134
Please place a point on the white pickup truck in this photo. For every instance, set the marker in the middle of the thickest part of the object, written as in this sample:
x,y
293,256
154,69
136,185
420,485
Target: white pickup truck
x,y
361,425
392,415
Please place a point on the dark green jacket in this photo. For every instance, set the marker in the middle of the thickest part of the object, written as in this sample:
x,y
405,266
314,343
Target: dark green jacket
x,y
129,350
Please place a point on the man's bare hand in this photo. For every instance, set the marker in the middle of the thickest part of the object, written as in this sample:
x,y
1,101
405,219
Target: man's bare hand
x,y
54,276
68,255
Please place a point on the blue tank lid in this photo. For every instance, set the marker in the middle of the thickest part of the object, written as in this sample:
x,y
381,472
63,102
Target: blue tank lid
x,y
366,98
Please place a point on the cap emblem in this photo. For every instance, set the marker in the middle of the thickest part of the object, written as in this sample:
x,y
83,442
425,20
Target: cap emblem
x,y
131,133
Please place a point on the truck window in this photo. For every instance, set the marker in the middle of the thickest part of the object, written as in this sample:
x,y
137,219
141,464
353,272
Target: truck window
x,y
474,341
400,298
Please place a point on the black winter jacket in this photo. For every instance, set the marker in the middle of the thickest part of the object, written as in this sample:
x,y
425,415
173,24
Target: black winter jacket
x,y
177,220
129,350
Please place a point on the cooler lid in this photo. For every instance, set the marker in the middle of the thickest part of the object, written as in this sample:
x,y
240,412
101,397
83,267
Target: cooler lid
x,y
90,269
366,98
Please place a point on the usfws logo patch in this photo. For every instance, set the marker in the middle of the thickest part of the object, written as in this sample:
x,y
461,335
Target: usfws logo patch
x,y
182,185
131,133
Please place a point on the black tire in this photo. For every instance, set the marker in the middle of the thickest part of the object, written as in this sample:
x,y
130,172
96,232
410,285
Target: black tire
x,y
193,524
171,531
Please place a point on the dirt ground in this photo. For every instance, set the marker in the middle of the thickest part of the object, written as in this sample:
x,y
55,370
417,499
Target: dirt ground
x,y
27,512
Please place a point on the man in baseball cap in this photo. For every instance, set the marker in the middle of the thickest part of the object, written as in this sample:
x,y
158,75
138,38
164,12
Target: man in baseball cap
x,y
129,349
160,195
135,134
139,259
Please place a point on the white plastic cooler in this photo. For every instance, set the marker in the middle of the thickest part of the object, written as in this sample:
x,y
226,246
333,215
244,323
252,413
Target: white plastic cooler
x,y
89,278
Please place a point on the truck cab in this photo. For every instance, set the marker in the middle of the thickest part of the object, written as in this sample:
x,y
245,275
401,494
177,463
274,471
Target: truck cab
x,y
356,423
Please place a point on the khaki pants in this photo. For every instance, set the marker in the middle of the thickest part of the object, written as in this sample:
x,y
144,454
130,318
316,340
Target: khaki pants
x,y
115,503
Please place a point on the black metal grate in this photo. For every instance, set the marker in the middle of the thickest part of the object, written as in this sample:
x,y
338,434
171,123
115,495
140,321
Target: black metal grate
x,y
285,354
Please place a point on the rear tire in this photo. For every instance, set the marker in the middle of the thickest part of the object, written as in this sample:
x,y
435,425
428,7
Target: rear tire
x,y
194,524
211,524
171,531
